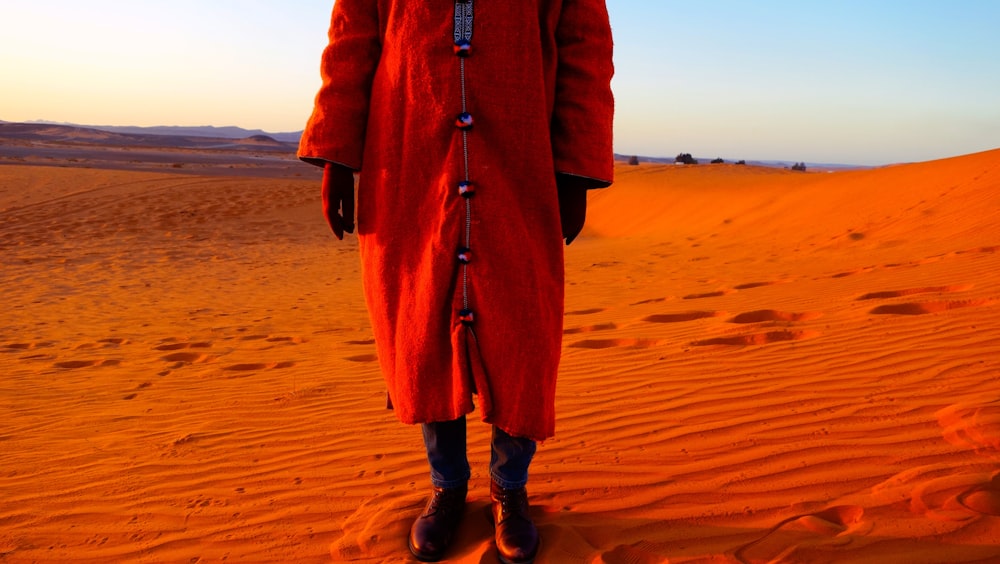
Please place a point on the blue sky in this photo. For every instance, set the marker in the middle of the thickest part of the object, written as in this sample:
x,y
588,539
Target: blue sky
x,y
861,82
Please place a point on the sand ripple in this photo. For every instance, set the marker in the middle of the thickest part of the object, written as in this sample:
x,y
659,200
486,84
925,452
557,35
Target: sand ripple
x,y
188,374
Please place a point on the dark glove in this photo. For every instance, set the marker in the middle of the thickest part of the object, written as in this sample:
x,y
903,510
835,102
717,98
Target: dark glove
x,y
572,204
338,198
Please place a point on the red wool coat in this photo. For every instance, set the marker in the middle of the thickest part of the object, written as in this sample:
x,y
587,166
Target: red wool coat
x,y
458,117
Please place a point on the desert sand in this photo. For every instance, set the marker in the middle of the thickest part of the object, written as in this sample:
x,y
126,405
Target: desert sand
x,y
759,365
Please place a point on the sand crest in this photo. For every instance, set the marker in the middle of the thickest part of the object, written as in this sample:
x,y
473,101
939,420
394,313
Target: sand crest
x,y
759,366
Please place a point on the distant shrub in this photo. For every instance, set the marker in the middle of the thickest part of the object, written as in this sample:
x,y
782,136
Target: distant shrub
x,y
633,160
801,167
685,158
741,162
717,161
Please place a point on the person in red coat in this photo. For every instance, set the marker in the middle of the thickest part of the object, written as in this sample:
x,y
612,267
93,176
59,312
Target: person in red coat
x,y
476,129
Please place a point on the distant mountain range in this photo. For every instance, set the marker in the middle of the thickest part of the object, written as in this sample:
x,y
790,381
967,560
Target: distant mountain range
x,y
229,132
167,137
177,149
292,138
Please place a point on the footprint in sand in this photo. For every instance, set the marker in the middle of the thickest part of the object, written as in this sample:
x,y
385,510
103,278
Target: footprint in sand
x,y
923,308
649,301
764,315
831,527
286,340
945,493
362,358
187,357
752,285
680,317
37,357
641,552
276,339
133,394
605,264
101,344
954,495
258,366
586,311
590,328
182,345
847,273
183,355
911,291
599,344
758,338
21,347
252,337
984,499
972,425
716,294
74,364
371,531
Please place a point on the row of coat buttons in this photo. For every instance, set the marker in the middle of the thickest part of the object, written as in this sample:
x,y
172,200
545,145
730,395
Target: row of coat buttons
x,y
466,189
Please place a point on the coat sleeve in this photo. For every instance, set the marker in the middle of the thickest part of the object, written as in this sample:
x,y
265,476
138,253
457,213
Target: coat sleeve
x,y
584,105
335,131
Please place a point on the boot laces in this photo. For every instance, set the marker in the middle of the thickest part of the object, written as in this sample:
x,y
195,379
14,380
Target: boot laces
x,y
444,503
512,502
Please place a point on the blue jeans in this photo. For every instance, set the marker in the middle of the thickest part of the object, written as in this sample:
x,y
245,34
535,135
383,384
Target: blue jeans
x,y
445,443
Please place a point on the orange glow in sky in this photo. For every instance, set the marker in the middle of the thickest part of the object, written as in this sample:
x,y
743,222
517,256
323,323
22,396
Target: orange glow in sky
x,y
852,82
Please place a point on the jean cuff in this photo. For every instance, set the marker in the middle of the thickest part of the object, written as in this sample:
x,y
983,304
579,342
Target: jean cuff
x,y
506,484
447,484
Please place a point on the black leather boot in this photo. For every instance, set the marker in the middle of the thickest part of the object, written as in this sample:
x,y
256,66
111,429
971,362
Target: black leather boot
x,y
431,533
516,535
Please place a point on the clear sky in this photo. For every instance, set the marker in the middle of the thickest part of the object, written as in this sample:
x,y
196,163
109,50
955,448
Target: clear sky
x,y
835,81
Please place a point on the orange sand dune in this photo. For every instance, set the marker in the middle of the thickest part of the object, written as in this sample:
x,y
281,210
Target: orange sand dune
x,y
759,366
